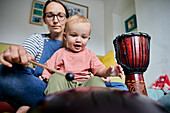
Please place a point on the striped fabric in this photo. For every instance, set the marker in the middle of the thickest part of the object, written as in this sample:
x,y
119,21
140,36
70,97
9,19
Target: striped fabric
x,y
34,45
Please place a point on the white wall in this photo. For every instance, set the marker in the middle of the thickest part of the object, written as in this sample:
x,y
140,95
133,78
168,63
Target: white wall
x,y
14,21
116,12
15,27
153,17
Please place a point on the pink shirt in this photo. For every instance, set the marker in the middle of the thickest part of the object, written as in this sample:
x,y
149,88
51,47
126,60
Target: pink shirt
x,y
81,64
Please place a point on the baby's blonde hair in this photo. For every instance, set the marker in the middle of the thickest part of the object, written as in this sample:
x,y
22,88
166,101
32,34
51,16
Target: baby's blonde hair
x,y
77,19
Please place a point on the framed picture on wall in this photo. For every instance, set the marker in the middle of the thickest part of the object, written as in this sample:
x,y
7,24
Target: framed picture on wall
x,y
76,9
130,23
37,13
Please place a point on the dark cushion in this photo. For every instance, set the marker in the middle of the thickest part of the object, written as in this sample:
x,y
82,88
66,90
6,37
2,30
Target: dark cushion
x,y
97,100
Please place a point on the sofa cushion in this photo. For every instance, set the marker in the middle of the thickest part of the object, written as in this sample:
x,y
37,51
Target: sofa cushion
x,y
4,46
109,59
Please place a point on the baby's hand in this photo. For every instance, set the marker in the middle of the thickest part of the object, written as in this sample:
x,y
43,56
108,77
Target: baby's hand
x,y
44,78
116,70
106,79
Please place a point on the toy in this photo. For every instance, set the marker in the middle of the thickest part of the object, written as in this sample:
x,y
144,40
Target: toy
x,y
162,83
68,76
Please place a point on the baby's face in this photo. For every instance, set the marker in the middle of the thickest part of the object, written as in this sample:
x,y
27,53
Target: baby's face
x,y
77,36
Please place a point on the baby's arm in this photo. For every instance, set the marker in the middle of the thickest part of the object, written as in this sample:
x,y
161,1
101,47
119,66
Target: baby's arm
x,y
116,70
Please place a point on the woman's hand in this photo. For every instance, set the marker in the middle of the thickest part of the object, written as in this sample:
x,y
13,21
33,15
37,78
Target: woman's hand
x,y
15,54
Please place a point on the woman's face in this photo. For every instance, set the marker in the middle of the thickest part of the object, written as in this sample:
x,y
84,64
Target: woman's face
x,y
53,23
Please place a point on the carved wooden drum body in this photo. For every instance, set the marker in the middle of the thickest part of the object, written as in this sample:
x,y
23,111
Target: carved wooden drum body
x,y
132,53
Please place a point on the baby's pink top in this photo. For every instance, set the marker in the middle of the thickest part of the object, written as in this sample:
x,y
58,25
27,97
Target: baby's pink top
x,y
81,64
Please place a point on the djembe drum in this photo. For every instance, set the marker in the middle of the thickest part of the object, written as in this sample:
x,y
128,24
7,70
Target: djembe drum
x,y
132,53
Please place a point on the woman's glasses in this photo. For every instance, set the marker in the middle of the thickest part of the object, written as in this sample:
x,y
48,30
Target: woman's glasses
x,y
60,16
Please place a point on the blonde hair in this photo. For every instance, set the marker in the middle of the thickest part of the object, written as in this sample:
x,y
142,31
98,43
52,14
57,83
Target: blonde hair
x,y
77,19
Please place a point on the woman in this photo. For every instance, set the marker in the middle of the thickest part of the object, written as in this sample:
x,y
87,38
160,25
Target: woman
x,y
18,84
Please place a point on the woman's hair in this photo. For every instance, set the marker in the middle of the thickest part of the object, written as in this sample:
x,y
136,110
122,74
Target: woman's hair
x,y
57,1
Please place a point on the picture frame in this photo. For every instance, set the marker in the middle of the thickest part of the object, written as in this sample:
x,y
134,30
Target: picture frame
x,y
75,8
130,23
37,13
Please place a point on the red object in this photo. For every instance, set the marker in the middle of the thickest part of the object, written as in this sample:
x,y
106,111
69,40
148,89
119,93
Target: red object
x,y
5,107
162,83
132,53
165,79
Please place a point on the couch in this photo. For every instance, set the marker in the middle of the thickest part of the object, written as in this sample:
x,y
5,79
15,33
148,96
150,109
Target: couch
x,y
107,60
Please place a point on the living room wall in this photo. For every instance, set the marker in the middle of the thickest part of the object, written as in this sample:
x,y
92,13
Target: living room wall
x,y
15,27
153,18
116,12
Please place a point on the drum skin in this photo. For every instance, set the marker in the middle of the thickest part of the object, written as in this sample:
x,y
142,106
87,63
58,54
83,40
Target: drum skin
x,y
132,53
97,100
